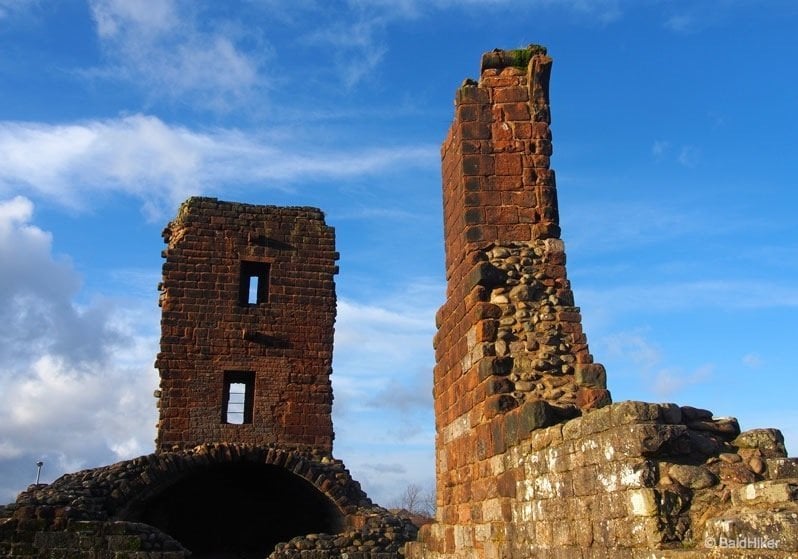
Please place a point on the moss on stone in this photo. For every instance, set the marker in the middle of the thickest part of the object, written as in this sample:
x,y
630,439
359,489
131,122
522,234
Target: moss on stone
x,y
518,58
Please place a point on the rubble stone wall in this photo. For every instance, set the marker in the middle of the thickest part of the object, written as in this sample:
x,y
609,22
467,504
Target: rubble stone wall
x,y
94,513
284,340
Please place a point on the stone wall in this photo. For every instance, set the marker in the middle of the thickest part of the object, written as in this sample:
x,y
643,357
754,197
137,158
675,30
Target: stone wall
x,y
532,459
622,481
108,511
282,338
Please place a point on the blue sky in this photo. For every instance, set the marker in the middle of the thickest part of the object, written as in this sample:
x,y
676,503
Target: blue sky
x,y
674,131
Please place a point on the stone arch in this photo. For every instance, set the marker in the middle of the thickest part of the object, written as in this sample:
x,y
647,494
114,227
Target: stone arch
x,y
225,497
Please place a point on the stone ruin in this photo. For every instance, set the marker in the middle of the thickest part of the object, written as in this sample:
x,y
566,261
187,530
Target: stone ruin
x,y
532,458
243,464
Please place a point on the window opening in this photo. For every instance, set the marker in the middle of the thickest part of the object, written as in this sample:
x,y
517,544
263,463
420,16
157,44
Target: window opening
x,y
254,288
238,396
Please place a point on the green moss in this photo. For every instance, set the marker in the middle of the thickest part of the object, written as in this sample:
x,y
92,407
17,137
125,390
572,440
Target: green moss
x,y
518,58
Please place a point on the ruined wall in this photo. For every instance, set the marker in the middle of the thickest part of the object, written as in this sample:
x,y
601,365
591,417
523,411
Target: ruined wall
x,y
122,511
509,334
272,342
248,305
628,481
532,460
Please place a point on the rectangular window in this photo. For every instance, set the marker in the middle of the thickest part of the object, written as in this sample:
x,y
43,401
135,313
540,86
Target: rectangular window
x,y
254,287
238,397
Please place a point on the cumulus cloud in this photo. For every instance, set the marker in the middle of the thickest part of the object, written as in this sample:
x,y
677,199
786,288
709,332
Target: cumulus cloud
x,y
71,377
161,164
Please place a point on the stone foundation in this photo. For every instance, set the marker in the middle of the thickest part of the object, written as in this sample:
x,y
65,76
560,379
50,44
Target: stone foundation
x,y
630,480
111,512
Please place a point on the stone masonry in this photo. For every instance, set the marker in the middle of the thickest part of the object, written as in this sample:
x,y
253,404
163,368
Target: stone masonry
x,y
532,458
272,341
243,464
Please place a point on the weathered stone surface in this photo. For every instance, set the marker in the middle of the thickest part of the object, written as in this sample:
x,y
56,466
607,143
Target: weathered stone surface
x,y
768,492
484,274
592,375
524,477
762,532
770,442
247,299
690,414
736,473
693,477
592,398
726,427
782,468
98,509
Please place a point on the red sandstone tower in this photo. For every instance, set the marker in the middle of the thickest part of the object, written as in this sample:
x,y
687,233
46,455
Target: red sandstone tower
x,y
509,332
248,306
510,351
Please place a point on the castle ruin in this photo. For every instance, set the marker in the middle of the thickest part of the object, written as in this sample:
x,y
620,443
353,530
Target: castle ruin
x,y
533,460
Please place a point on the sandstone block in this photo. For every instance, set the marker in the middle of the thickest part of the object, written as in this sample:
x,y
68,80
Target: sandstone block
x,y
484,274
591,375
759,532
766,492
592,398
596,420
727,427
770,442
499,404
693,477
635,412
535,415
643,502
782,468
695,414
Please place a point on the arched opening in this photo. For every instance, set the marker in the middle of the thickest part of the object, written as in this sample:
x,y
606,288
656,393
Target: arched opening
x,y
239,510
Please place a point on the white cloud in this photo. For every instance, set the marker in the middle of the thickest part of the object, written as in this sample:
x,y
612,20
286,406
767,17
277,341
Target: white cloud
x,y
689,156
659,148
8,7
161,164
681,23
680,295
382,382
71,378
355,32
752,360
158,45
669,381
646,359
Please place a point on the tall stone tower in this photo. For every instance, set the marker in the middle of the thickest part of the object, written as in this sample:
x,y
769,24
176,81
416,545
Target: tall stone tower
x,y
510,351
248,306
509,332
